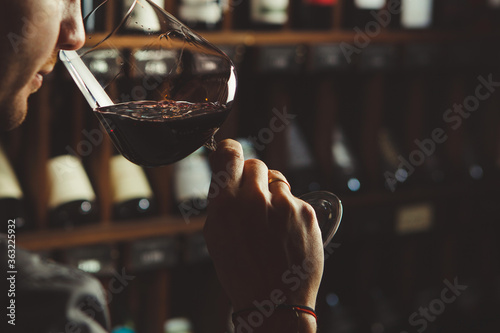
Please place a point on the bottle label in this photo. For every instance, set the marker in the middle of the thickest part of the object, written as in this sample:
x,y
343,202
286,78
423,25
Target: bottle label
x,y
94,259
416,14
9,186
279,59
269,11
369,4
128,180
329,56
69,181
415,218
192,177
154,62
494,3
207,11
103,63
143,16
149,253
174,325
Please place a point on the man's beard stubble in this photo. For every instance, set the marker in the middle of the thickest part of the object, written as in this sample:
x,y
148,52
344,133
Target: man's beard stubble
x,y
13,114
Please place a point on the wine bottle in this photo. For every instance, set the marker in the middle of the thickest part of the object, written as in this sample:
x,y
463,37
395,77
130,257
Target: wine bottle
x,y
131,193
314,14
11,195
192,183
416,14
268,14
423,106
361,11
378,147
201,14
330,74
178,325
71,200
279,66
493,9
98,259
302,171
346,166
141,13
153,253
473,160
465,160
452,14
94,21
390,137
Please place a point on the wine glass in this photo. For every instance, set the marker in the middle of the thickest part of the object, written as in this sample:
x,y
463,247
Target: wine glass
x,y
160,90
329,211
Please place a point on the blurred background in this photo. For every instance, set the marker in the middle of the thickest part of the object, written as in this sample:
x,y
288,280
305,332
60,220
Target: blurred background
x,y
392,105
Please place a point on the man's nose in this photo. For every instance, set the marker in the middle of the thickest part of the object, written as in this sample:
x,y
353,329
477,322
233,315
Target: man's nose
x,y
72,32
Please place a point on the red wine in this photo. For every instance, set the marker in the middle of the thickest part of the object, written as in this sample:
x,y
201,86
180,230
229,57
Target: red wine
x,y
159,133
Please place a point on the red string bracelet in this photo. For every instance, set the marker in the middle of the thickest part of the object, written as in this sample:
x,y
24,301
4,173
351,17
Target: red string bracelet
x,y
297,308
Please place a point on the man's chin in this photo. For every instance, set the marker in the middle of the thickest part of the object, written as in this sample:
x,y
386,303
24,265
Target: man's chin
x,y
12,115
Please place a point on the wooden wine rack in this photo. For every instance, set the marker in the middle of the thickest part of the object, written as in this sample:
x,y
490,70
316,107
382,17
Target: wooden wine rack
x,y
29,148
33,139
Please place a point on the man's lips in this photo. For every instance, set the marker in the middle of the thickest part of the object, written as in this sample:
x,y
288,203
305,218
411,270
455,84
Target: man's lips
x,y
38,79
37,82
47,68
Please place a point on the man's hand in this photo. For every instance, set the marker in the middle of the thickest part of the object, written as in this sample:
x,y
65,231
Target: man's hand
x,y
264,242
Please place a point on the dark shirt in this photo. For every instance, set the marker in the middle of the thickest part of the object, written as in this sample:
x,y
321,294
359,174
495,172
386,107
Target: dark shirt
x,y
48,297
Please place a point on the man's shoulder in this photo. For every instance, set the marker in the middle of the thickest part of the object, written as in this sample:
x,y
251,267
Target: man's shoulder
x,y
50,297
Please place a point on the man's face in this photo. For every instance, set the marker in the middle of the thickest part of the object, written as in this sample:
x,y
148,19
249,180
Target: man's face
x,y
31,33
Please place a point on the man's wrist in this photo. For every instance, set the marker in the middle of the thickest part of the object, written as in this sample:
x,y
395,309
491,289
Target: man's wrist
x,y
284,319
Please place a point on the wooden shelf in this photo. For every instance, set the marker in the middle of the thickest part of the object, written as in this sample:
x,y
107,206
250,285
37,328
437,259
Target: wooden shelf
x,y
109,233
253,38
313,37
171,225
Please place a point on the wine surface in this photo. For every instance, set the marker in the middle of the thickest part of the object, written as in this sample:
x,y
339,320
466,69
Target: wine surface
x,y
158,133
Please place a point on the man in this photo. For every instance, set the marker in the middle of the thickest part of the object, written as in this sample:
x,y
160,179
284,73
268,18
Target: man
x,y
256,231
